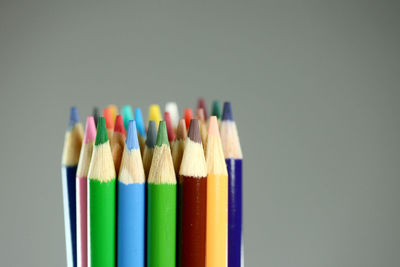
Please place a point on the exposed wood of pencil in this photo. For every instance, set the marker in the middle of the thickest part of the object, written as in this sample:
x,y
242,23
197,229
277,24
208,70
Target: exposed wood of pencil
x,y
179,145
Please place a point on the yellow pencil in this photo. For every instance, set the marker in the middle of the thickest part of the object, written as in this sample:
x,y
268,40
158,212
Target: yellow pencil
x,y
217,200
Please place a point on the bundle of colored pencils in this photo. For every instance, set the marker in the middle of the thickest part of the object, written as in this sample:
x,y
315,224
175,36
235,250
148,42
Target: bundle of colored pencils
x,y
165,195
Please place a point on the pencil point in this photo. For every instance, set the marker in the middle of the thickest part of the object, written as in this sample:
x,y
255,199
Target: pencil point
x,y
155,113
200,114
151,135
162,136
119,125
170,128
194,131
127,115
73,116
90,131
172,108
132,138
188,115
213,126
216,109
109,121
227,113
201,103
95,114
139,122
181,131
101,136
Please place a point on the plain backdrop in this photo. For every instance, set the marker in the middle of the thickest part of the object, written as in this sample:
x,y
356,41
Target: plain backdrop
x,y
315,92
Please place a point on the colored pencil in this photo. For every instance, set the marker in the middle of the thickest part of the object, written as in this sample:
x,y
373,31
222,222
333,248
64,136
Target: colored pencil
x,y
161,229
179,145
172,108
193,196
233,159
188,115
102,202
107,113
155,114
95,115
170,128
70,158
118,142
149,147
201,103
81,191
216,109
141,129
114,111
217,200
203,126
127,115
131,204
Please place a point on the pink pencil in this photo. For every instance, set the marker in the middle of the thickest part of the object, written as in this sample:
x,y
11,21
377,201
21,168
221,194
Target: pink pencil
x,y
81,191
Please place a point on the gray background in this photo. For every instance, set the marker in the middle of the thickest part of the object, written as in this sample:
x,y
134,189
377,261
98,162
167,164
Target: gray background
x,y
315,91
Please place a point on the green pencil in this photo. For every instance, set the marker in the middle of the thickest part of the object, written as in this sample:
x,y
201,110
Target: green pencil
x,y
161,224
101,202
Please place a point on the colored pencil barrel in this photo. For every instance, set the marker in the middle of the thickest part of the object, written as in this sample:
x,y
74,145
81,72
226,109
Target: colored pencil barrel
x,y
70,158
131,223
102,202
131,204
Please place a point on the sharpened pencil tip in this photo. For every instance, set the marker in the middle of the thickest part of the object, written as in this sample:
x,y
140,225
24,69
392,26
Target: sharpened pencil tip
x,y
188,115
216,109
127,115
213,126
201,103
108,117
194,131
170,128
227,113
90,131
132,138
101,136
119,125
139,122
181,133
73,116
162,136
151,135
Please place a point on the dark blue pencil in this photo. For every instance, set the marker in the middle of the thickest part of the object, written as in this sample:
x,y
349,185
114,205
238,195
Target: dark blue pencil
x,y
233,158
70,158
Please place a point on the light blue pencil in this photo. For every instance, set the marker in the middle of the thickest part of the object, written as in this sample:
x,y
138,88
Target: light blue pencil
x,y
131,203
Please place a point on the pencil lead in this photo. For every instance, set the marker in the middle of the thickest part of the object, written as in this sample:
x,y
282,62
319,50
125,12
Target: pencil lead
x,y
132,141
162,136
127,115
101,136
201,103
200,114
95,115
213,127
194,131
227,113
216,109
155,113
170,128
181,133
107,113
114,111
172,108
90,131
151,135
188,115
119,125
73,117
139,122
